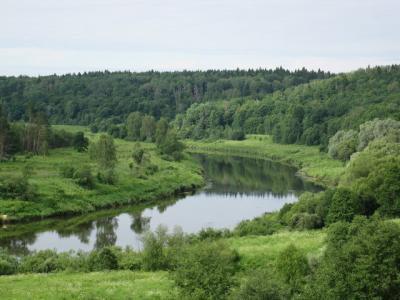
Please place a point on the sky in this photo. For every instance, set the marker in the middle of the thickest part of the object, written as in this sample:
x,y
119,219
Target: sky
x,y
39,37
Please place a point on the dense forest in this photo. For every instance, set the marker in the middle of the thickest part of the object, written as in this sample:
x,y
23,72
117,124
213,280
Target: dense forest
x,y
307,114
108,97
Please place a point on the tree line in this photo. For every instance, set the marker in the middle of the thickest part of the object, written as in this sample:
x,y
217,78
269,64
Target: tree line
x,y
35,136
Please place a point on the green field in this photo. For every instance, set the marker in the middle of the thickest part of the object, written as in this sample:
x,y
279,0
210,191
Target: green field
x,y
312,164
61,196
255,251
99,285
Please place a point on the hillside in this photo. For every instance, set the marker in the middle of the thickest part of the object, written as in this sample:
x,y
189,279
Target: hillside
x,y
307,114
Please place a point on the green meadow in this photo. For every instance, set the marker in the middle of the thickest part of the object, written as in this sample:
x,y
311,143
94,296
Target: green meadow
x,y
62,196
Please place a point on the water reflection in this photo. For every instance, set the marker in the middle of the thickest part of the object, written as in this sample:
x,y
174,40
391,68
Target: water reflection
x,y
238,189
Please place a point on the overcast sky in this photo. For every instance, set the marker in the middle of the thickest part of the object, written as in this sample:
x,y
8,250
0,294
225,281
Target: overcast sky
x,y
63,36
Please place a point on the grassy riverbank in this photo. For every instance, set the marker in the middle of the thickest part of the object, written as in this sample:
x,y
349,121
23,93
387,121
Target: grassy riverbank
x,y
255,251
57,195
312,164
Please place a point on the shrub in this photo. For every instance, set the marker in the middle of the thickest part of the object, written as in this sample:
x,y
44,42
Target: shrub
x,y
8,264
154,250
104,259
80,142
261,285
264,225
292,266
83,177
213,234
344,206
40,262
343,144
237,135
17,188
107,177
306,221
361,261
67,171
205,270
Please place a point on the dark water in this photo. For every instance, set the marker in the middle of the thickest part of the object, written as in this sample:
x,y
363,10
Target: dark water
x,y
237,189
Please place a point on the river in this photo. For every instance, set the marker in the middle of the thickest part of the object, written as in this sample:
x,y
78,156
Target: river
x,y
237,189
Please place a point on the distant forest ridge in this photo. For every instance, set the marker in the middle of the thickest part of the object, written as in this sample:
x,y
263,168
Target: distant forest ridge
x,y
92,97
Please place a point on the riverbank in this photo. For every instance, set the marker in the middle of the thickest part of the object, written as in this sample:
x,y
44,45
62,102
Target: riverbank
x,y
60,196
312,164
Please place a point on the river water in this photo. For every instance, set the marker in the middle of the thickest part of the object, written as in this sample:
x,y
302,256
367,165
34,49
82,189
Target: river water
x,y
237,189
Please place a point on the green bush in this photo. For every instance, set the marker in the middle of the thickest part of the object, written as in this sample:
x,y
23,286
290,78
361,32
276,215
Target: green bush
x,y
107,177
361,261
45,261
104,259
306,221
8,263
67,171
83,177
345,204
205,270
264,225
261,285
292,266
17,188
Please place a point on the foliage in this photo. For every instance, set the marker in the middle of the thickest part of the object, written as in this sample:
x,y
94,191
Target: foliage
x,y
377,129
308,114
138,154
260,285
343,144
205,270
8,263
83,176
104,151
361,261
80,142
171,146
264,225
292,265
105,99
104,259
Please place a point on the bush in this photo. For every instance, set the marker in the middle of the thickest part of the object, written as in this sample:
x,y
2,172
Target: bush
x,y
8,264
306,221
107,177
205,270
104,259
67,171
17,188
343,207
264,225
343,144
213,234
292,266
41,262
154,250
237,135
83,177
261,285
361,261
